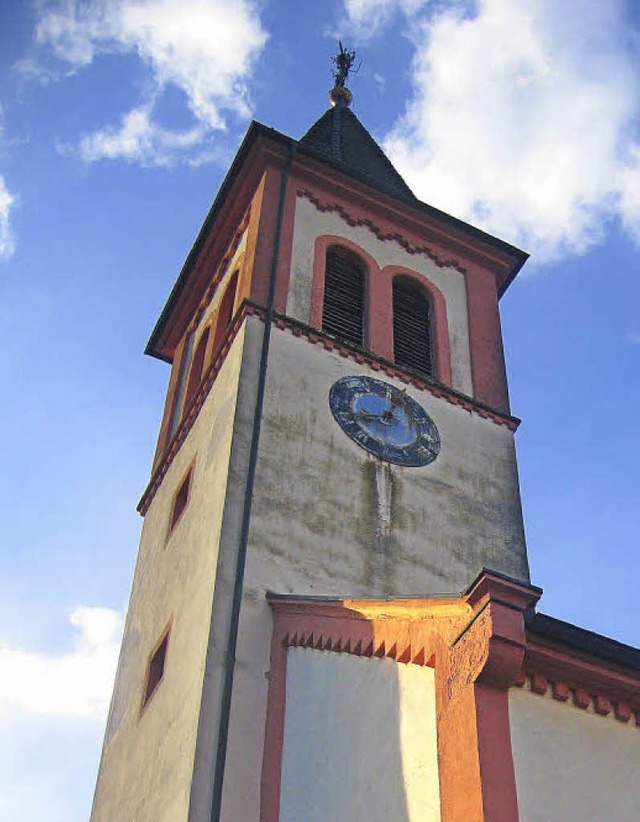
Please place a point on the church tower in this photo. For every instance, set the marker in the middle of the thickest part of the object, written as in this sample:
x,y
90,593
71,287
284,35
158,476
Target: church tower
x,y
335,464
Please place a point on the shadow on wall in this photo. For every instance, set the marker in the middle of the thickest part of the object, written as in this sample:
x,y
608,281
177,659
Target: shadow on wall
x,y
359,735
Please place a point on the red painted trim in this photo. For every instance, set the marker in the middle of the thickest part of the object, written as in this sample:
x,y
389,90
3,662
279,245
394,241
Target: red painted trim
x,y
488,369
389,218
581,681
357,211
372,273
436,388
485,342
497,773
190,414
270,780
286,248
458,637
266,234
396,630
317,337
209,269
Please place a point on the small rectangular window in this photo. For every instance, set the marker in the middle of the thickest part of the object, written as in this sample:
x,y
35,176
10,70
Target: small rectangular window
x,y
180,500
155,667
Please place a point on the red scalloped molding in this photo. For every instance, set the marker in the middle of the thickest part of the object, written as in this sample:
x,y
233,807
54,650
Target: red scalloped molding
x,y
316,337
376,363
351,642
384,235
581,697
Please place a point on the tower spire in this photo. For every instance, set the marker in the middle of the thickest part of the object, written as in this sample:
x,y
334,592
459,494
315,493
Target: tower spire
x,y
340,94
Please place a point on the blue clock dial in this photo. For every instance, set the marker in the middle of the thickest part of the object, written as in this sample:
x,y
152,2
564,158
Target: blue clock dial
x,y
384,421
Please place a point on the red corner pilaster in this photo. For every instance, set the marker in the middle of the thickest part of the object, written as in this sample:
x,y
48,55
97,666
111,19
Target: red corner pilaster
x,y
485,339
502,601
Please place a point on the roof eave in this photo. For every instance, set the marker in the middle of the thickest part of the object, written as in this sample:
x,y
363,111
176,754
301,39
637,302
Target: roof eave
x,y
254,131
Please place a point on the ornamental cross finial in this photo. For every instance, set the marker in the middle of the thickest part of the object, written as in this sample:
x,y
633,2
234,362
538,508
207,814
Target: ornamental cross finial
x,y
343,61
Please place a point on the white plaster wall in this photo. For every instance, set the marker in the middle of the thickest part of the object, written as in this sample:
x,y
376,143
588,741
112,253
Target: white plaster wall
x,y
572,765
359,741
147,762
316,519
311,223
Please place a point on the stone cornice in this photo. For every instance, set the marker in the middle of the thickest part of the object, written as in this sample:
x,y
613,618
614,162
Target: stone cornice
x,y
584,682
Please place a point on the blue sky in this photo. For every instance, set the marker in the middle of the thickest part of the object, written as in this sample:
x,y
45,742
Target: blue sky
x,y
117,122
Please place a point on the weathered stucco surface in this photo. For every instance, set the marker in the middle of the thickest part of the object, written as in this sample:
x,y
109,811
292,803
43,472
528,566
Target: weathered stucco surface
x,y
148,759
360,740
311,223
318,521
571,764
315,527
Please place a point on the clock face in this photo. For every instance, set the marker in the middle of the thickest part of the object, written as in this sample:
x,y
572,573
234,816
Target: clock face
x,y
384,420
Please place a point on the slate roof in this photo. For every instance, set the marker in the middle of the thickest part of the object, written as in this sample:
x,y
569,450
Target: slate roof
x,y
339,137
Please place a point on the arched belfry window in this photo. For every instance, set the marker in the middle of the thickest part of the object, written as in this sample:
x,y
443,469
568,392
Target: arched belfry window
x,y
343,307
412,332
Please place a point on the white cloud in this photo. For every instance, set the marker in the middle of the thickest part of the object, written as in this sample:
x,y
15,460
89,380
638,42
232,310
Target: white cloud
x,y
521,117
77,684
367,17
139,140
7,238
205,48
634,337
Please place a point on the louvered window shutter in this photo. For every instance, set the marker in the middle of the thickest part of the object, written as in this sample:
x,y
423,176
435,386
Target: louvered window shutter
x,y
412,342
343,309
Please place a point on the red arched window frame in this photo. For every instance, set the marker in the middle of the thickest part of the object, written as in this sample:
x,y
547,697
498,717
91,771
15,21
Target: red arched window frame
x,y
414,340
344,303
439,326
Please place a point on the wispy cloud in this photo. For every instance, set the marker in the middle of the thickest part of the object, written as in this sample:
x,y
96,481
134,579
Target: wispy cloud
x,y
179,42
77,684
634,337
139,140
522,116
367,18
7,237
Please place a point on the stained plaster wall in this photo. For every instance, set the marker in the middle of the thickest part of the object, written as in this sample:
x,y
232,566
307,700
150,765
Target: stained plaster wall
x,y
311,223
148,758
359,740
319,511
316,526
570,764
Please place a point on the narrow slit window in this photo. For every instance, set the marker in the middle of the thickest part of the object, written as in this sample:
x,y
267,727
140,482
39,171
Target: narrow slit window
x,y
197,367
155,668
412,333
180,500
181,385
343,308
225,312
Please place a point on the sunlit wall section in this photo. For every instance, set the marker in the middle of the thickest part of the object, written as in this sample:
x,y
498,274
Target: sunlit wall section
x,y
359,740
